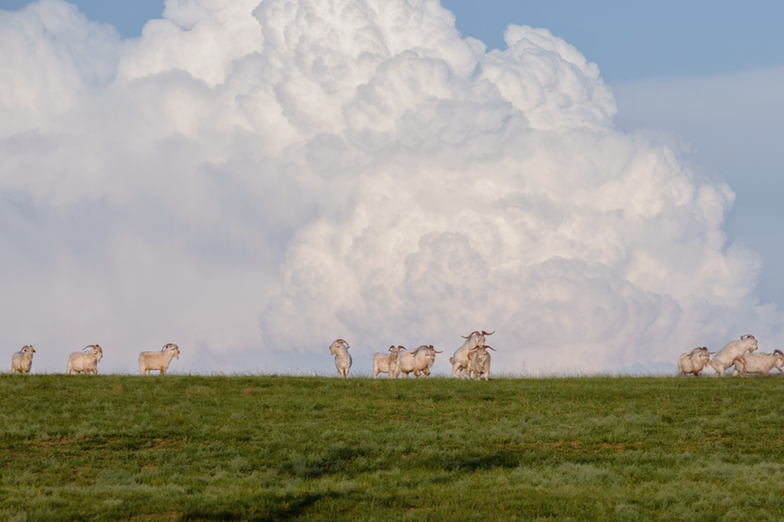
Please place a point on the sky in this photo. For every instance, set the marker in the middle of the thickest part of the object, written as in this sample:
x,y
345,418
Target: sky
x,y
247,183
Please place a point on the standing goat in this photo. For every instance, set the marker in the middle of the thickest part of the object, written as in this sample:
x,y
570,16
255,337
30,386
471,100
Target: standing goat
x,y
479,362
342,358
419,361
386,362
730,353
761,363
694,362
158,360
22,360
460,359
81,362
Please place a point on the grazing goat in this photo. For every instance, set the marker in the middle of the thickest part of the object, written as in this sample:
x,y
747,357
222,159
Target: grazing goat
x,y
479,362
385,362
158,360
761,363
342,358
727,356
81,362
694,362
460,359
22,360
419,361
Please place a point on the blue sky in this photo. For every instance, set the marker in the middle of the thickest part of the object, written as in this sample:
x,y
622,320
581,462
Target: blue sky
x,y
702,77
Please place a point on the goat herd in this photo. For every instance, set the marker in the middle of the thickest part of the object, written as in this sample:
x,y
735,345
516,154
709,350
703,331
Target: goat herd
x,y
470,360
87,360
738,353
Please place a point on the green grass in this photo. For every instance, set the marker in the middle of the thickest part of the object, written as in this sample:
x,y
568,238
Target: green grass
x,y
287,448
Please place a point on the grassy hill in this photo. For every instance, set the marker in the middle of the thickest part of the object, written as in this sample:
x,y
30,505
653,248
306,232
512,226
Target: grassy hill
x,y
114,447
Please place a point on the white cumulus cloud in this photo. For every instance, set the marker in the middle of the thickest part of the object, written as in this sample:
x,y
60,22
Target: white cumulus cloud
x,y
254,179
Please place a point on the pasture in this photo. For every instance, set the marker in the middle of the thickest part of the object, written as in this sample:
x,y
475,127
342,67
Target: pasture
x,y
118,447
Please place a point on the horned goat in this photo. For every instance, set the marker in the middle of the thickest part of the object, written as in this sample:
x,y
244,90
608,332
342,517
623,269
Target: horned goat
x,y
479,362
761,363
85,362
385,362
342,358
419,361
727,356
22,360
460,359
694,362
158,360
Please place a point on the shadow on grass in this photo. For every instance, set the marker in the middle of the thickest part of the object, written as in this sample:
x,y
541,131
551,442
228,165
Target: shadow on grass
x,y
480,461
341,459
264,509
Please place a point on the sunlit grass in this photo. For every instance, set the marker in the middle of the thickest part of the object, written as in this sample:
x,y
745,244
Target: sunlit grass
x,y
281,448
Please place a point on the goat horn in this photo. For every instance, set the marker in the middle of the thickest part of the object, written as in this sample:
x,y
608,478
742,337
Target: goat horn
x,y
490,347
778,352
746,336
470,335
696,349
486,333
391,348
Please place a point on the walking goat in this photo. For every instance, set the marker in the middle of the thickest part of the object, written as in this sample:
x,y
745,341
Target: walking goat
x,y
85,362
158,360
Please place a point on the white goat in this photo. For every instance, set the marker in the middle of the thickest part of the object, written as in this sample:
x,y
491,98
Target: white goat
x,y
694,362
81,362
460,359
419,361
385,362
761,363
342,358
479,362
158,360
727,356
22,360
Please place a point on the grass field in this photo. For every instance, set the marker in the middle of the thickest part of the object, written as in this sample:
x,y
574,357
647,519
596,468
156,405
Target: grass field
x,y
121,447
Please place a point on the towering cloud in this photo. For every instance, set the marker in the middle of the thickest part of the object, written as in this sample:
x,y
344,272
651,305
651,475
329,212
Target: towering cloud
x,y
345,168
